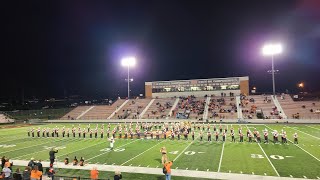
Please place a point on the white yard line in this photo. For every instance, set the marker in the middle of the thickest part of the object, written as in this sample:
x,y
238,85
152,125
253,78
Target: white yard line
x,y
185,149
110,151
32,152
269,160
221,157
80,149
313,127
299,147
141,153
29,146
304,132
266,157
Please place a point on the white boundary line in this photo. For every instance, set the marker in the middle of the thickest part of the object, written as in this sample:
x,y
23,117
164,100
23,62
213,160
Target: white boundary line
x,y
275,170
110,151
303,132
313,127
221,157
141,153
299,147
269,160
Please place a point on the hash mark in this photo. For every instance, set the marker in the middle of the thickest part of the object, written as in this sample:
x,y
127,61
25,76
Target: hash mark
x,y
197,169
176,167
305,177
291,176
157,166
265,174
229,171
139,165
148,166
252,173
130,165
113,164
241,172
186,168
318,177
207,169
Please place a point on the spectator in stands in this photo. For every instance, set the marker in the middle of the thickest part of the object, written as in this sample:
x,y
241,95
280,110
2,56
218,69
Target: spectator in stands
x,y
27,173
40,168
17,175
31,163
7,172
35,173
75,161
51,172
117,175
8,164
81,162
94,173
3,160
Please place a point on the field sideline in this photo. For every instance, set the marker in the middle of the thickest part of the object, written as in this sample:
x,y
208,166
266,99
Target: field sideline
x,y
284,160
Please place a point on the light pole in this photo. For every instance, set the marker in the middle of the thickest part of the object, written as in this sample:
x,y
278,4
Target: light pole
x,y
128,61
272,50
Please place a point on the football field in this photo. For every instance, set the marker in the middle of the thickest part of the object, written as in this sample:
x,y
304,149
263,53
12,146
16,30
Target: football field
x,y
267,159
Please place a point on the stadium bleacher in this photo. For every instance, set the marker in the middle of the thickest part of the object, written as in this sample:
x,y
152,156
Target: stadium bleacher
x,y
132,109
160,108
222,107
5,119
300,109
76,112
102,111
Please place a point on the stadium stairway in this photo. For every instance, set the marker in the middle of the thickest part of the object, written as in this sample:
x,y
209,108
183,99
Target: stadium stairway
x,y
173,107
239,108
146,108
75,112
159,108
114,112
205,113
84,112
277,104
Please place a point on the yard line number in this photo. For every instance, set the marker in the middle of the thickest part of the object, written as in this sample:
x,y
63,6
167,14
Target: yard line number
x,y
189,153
276,157
50,147
115,150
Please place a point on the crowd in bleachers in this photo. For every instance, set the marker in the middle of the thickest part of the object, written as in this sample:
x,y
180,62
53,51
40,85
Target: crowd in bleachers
x,y
132,113
160,110
218,107
189,106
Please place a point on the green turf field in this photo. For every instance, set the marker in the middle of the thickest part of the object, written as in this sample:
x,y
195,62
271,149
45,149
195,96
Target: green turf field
x,y
285,160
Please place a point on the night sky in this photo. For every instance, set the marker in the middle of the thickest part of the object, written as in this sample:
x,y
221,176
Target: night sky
x,y
56,48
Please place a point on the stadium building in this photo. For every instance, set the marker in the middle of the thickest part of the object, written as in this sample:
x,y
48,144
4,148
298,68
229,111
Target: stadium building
x,y
197,87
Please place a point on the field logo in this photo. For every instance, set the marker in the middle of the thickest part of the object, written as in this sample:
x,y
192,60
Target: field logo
x,y
115,150
50,147
276,157
7,145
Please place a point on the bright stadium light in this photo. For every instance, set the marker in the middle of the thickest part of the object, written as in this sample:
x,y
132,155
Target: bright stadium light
x,y
128,61
271,50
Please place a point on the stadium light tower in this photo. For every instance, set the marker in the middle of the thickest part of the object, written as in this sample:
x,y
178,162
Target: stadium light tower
x,y
128,62
272,50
